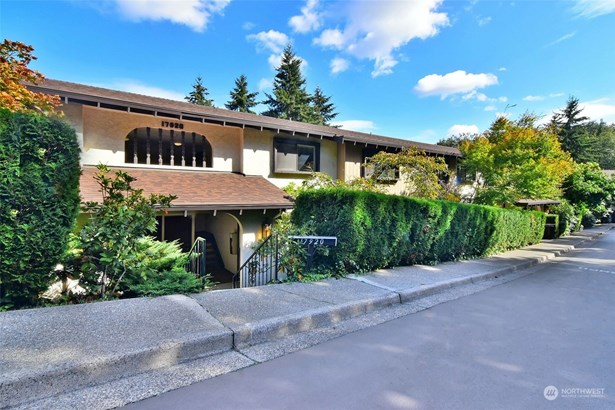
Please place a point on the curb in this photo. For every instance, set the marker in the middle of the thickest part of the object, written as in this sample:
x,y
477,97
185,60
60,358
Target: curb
x,y
279,327
73,376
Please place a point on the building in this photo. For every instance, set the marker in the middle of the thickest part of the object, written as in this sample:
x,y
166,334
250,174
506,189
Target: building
x,y
226,168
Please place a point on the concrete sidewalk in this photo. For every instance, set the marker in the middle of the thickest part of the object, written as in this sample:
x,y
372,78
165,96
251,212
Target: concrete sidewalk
x,y
54,357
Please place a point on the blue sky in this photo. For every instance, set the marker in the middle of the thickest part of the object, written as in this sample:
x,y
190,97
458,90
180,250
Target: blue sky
x,y
419,70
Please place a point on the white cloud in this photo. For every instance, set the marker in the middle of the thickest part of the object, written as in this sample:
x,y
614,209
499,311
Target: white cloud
x,y
333,38
459,129
192,13
597,110
491,108
356,125
565,37
339,65
502,69
457,82
308,20
274,60
554,95
593,8
265,84
484,21
248,25
502,99
133,86
375,30
271,40
533,98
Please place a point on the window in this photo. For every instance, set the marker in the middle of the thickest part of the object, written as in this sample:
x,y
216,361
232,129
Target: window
x,y
295,157
384,175
167,147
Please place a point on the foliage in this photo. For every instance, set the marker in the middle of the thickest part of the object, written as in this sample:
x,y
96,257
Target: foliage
x,y
599,143
109,238
516,160
159,269
564,122
14,74
569,218
591,191
377,230
323,109
319,180
290,100
455,140
241,100
423,175
39,201
199,94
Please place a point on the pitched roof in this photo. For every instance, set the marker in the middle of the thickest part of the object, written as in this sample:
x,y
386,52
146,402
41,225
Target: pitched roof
x,y
196,190
126,101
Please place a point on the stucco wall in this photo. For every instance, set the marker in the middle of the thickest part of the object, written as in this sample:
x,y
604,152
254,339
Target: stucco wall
x,y
105,131
258,156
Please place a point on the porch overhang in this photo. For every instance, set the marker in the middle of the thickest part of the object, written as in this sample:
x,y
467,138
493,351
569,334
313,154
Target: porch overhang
x,y
197,191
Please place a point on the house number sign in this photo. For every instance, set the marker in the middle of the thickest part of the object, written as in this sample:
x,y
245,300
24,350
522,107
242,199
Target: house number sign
x,y
312,242
170,124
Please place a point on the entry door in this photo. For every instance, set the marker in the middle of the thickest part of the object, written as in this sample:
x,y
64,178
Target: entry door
x,y
180,228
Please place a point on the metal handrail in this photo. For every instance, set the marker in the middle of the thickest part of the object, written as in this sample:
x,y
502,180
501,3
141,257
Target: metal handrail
x,y
262,266
197,257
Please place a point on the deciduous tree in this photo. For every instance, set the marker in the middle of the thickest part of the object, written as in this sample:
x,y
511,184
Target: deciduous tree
x,y
517,160
15,74
424,176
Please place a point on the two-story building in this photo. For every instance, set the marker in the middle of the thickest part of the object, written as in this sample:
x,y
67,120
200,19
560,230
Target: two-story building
x,y
226,168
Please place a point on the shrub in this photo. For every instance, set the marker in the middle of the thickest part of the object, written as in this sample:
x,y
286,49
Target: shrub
x,y
109,238
159,269
377,230
39,201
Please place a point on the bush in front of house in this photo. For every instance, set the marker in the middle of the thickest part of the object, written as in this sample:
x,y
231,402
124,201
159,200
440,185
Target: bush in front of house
x,y
39,202
377,230
160,269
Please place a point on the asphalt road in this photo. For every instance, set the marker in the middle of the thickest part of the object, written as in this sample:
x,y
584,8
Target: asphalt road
x,y
497,349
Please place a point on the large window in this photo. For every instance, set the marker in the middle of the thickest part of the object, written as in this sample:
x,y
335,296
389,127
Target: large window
x,y
156,146
295,157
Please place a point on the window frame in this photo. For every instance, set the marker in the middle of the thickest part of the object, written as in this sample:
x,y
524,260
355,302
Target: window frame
x,y
315,146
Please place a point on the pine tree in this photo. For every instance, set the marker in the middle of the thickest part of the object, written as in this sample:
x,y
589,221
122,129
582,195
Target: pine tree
x,y
290,100
241,100
565,123
323,110
199,94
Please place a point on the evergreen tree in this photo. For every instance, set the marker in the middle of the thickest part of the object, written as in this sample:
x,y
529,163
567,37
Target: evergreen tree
x,y
241,100
323,110
290,100
565,123
199,94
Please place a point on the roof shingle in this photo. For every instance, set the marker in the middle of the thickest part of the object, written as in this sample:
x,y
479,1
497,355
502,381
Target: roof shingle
x,y
197,190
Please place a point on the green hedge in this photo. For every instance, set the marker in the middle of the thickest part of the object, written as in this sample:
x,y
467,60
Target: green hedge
x,y
39,201
377,230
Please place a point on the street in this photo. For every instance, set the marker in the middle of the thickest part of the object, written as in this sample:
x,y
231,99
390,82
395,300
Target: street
x,y
546,340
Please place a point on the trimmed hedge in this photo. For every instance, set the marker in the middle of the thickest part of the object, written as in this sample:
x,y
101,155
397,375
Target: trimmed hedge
x,y
39,201
378,230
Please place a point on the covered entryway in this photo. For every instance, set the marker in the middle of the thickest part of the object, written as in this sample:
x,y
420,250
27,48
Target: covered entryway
x,y
231,211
